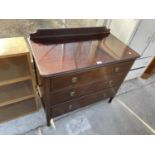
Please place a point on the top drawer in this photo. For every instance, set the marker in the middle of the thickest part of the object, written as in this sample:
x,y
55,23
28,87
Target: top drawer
x,y
103,73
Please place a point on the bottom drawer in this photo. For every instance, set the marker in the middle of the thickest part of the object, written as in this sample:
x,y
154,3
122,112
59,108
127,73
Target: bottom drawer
x,y
17,109
82,101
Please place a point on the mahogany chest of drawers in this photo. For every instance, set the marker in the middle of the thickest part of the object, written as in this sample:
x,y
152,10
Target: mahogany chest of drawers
x,y
73,74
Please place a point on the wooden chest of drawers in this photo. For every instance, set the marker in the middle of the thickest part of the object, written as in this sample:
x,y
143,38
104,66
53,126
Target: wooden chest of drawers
x,y
71,75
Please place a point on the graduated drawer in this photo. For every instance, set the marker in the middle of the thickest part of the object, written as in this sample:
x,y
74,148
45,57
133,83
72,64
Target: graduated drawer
x,y
72,92
103,73
82,101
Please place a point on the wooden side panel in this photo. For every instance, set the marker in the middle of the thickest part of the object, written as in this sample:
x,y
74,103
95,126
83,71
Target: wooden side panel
x,y
34,85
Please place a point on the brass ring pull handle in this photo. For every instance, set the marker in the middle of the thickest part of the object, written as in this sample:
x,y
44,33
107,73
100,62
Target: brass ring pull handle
x,y
74,79
117,69
72,93
110,82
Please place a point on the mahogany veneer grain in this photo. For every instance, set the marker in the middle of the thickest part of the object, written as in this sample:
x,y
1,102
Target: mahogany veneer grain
x,y
74,71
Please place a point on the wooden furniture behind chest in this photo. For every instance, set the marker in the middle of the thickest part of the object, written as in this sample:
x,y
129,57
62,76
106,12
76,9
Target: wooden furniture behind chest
x,y
17,87
79,66
150,69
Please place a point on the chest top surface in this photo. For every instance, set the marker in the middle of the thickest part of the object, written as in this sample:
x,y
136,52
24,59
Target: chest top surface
x,y
13,47
56,59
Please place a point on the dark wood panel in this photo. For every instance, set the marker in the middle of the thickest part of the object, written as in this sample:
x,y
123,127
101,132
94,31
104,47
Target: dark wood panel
x,y
104,73
67,31
46,98
82,101
76,91
65,35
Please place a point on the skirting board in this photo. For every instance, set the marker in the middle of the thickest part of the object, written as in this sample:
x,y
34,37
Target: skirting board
x,y
141,62
134,74
138,68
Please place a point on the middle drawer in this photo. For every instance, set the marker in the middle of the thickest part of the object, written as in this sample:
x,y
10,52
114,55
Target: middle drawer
x,y
72,92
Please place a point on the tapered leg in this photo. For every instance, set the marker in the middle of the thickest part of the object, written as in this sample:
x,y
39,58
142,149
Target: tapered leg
x,y
48,123
46,99
48,117
110,100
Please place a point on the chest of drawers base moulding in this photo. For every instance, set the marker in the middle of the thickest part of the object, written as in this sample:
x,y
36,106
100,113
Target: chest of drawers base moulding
x,y
71,75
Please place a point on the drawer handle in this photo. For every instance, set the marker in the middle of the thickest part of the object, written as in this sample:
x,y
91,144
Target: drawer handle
x,y
110,82
117,69
74,79
72,93
70,107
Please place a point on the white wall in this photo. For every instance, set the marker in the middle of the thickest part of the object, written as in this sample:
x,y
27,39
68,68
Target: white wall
x,y
143,41
140,36
123,28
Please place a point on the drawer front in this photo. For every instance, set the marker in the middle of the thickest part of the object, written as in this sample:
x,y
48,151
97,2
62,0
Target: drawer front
x,y
70,93
88,76
82,101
